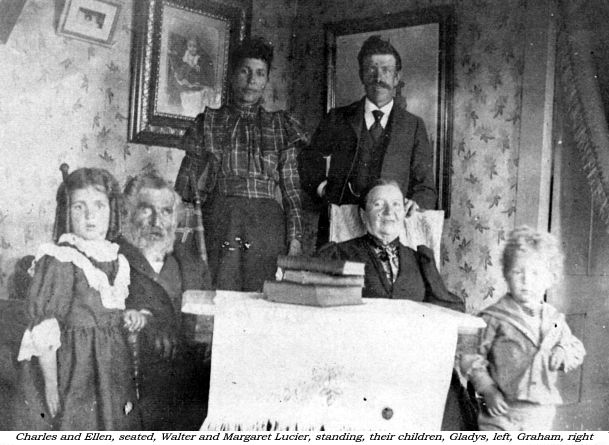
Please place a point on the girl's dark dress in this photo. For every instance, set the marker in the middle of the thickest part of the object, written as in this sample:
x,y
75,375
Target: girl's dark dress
x,y
94,366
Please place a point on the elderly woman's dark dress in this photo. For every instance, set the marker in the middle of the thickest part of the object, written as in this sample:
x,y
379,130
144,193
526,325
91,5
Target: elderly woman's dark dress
x,y
417,277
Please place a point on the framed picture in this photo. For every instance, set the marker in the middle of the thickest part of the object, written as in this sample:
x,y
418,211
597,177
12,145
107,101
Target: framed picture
x,y
424,39
179,64
90,20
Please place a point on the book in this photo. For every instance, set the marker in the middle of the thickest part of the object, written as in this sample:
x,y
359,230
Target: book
x,y
312,294
308,277
335,267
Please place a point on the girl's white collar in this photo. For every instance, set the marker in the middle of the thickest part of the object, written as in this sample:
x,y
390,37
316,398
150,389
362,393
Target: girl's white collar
x,y
99,250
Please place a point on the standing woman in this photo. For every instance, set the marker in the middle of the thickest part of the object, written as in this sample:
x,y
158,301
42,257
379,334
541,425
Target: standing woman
x,y
236,158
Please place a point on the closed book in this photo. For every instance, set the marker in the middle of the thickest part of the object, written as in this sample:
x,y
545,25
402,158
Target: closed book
x,y
308,277
335,267
312,294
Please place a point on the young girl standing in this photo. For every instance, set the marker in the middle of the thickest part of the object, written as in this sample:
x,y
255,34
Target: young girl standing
x,y
77,370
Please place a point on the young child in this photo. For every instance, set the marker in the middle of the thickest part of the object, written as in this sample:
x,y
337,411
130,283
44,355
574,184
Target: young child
x,y
526,341
77,371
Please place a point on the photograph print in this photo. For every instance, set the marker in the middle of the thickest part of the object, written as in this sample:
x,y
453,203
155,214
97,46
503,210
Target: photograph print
x,y
93,21
191,63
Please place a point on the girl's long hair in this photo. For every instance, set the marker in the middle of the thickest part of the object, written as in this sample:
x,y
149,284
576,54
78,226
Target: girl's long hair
x,y
81,178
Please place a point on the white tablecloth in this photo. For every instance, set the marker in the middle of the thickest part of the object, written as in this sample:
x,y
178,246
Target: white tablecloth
x,y
384,365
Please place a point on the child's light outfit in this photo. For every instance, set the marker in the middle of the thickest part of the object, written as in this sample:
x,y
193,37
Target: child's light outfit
x,y
514,356
75,305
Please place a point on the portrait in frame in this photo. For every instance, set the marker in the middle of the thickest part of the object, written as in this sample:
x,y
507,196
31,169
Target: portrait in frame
x,y
93,21
179,64
425,40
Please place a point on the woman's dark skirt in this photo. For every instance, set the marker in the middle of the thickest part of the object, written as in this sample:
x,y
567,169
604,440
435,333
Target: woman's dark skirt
x,y
243,237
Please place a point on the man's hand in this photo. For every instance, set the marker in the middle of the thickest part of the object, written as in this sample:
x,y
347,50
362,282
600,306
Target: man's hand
x,y
410,206
166,345
295,247
495,403
134,320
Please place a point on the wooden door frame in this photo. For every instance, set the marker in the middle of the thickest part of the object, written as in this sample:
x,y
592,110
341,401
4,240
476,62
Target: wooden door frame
x,y
535,155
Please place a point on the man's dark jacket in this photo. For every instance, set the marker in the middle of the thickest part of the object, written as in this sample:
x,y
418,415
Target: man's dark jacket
x,y
408,156
173,391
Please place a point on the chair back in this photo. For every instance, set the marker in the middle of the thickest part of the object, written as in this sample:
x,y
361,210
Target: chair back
x,y
420,228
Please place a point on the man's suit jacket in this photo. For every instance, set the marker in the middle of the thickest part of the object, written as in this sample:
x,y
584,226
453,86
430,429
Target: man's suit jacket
x,y
418,278
408,157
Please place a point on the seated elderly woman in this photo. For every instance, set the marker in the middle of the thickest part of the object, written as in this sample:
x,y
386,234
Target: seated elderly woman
x,y
394,270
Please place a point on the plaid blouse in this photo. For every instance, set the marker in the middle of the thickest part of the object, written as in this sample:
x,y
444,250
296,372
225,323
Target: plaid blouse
x,y
246,152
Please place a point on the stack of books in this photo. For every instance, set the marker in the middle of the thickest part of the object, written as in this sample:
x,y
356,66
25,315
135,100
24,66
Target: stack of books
x,y
316,282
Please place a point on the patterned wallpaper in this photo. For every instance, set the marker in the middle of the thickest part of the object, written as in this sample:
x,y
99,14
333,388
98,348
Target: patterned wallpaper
x,y
63,100
487,101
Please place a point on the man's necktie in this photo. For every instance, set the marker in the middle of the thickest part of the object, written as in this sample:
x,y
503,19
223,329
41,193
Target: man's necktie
x,y
376,129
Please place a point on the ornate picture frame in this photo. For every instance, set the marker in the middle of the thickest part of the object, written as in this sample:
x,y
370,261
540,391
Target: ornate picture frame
x,y
425,40
179,63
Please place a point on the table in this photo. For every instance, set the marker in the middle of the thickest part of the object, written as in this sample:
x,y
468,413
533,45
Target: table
x,y
382,365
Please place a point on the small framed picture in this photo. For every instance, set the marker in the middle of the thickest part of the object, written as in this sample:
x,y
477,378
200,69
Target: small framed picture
x,y
89,20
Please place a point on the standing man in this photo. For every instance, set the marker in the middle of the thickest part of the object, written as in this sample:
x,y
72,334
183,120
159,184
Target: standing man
x,y
372,138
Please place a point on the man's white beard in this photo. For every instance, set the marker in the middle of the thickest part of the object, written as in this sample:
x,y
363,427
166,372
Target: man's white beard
x,y
153,248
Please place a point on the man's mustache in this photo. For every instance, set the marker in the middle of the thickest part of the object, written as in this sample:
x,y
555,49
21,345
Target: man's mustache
x,y
157,232
152,231
380,83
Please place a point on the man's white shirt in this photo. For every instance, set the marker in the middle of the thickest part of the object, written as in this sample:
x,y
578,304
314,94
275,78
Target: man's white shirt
x,y
369,107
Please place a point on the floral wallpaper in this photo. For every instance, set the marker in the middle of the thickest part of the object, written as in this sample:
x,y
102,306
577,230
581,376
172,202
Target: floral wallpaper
x,y
64,100
488,65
